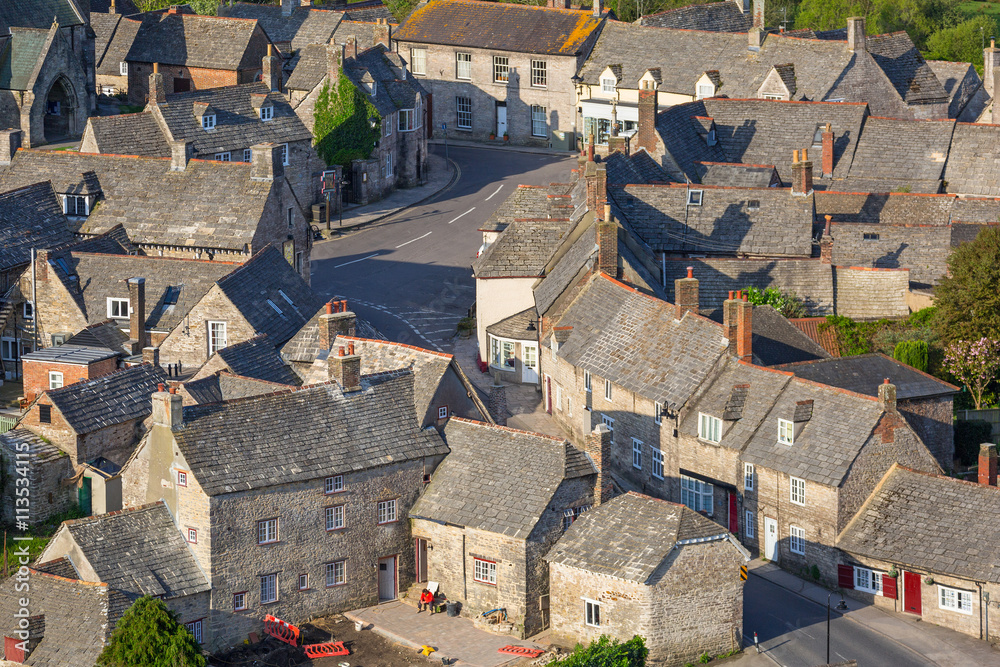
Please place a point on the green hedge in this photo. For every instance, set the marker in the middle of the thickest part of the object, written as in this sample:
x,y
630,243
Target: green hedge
x,y
607,652
912,353
968,436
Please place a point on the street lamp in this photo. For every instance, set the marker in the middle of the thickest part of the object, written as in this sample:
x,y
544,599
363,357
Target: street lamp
x,y
841,607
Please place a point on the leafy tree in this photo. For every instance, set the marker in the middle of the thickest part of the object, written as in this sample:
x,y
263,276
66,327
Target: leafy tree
x,y
912,353
607,652
968,299
975,364
343,129
149,635
919,18
199,6
788,305
963,42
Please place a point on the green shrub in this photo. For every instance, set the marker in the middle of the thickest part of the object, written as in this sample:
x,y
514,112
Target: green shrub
x,y
343,130
788,305
149,635
912,353
814,571
968,436
607,652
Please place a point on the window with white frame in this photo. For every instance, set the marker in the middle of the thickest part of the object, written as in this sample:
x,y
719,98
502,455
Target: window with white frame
x,y
786,432
247,155
387,511
192,535
118,308
709,427
657,412
592,613
239,601
501,69
269,588
387,127
55,379
208,121
28,310
267,531
798,491
335,517
217,338
867,580
388,165
336,573
123,68
304,582
797,540
748,476
463,110
9,349
284,154
954,599
539,74
610,423
773,96
607,390
484,571
539,121
637,453
418,61
607,85
443,412
501,353
333,484
406,120
571,515
705,90
748,524
463,66
559,406
223,157
194,627
586,380
182,478
78,205
266,113
696,494
656,465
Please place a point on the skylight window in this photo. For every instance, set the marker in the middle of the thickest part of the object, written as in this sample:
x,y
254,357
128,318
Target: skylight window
x,y
285,297
276,309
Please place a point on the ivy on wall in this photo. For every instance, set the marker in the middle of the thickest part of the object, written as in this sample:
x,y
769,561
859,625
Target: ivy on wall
x,y
342,128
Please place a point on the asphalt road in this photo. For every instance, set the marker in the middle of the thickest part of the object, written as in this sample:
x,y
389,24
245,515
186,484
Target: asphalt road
x,y
410,275
792,631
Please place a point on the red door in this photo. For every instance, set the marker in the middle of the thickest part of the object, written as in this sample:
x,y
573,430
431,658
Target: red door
x,y
911,593
734,524
548,394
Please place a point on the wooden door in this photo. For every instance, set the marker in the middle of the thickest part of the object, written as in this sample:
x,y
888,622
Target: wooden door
x,y
387,578
734,524
911,593
770,539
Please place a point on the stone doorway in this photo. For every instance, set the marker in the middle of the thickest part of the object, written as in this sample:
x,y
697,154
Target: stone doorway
x,y
60,112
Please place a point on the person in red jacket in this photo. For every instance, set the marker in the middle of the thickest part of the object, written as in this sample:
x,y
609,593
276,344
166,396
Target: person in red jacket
x,y
426,600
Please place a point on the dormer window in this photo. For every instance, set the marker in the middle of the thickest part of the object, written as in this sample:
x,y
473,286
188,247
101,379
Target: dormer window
x,y
786,432
76,205
705,90
123,68
208,122
267,112
608,85
709,428
118,308
374,88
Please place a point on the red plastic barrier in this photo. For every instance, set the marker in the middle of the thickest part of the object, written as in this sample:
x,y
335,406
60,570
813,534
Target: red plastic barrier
x,y
325,650
522,651
281,630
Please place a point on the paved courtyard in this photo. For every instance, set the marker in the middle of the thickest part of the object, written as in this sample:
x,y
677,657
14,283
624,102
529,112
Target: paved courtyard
x,y
453,638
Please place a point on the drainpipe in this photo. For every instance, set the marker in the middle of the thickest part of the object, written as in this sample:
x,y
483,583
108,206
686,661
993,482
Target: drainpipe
x,y
465,582
34,312
980,587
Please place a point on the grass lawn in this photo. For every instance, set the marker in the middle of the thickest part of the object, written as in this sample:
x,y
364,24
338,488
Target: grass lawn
x,y
40,536
972,8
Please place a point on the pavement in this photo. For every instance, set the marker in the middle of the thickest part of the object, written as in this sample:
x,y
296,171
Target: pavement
x,y
451,637
499,145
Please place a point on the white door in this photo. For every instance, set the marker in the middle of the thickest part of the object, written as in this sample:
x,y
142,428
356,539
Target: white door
x,y
387,578
770,539
529,363
501,121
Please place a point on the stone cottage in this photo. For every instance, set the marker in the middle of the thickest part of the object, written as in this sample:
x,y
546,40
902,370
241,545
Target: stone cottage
x,y
496,505
642,566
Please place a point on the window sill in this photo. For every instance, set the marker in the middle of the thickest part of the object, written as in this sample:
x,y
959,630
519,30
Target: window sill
x,y
343,583
502,368
485,583
267,544
333,493
656,477
336,530
387,523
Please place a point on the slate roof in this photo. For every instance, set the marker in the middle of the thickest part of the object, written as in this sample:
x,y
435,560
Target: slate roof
x,y
516,326
723,16
895,208
247,444
193,40
368,13
910,75
304,346
752,221
633,340
951,76
306,25
265,279
40,449
828,443
901,152
775,340
77,355
99,276
20,54
865,372
114,37
499,27
224,386
630,537
738,175
974,161
139,551
498,479
522,250
633,169
38,14
30,217
575,260
256,358
526,202
310,69
923,521
208,205
129,134
392,90
754,390
110,399
104,335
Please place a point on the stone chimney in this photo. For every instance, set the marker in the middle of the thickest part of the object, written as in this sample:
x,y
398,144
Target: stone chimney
x,y
151,356
265,162
10,141
991,68
646,136
826,243
607,244
287,6
180,154
730,308
352,47
344,368
758,14
686,294
336,321
802,174
988,464
382,33
168,408
334,56
744,330
756,34
597,445
498,403
598,8
887,396
828,151
271,70
137,312
157,86
856,34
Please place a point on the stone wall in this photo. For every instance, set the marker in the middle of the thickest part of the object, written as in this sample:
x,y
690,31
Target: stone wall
x,y
718,463
923,249
273,228
56,430
867,294
115,443
56,311
46,469
933,420
190,345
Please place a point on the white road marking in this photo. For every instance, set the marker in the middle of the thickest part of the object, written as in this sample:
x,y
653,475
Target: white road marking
x,y
841,657
463,215
355,261
412,240
494,192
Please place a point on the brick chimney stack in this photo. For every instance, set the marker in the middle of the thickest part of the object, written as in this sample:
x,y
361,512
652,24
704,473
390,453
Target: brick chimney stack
x,y
266,163
597,445
988,464
168,408
180,154
744,330
802,174
856,34
151,356
344,368
157,87
271,70
607,244
730,310
336,321
137,314
382,33
827,151
10,141
646,136
887,396
826,243
686,294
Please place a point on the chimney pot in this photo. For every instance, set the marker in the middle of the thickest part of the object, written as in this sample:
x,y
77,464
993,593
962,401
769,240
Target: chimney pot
x,y
340,351
690,272
795,157
350,348
329,307
730,295
988,464
159,387
343,306
173,390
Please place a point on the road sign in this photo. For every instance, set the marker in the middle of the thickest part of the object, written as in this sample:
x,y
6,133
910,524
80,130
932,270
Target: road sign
x,y
329,180
444,126
743,572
